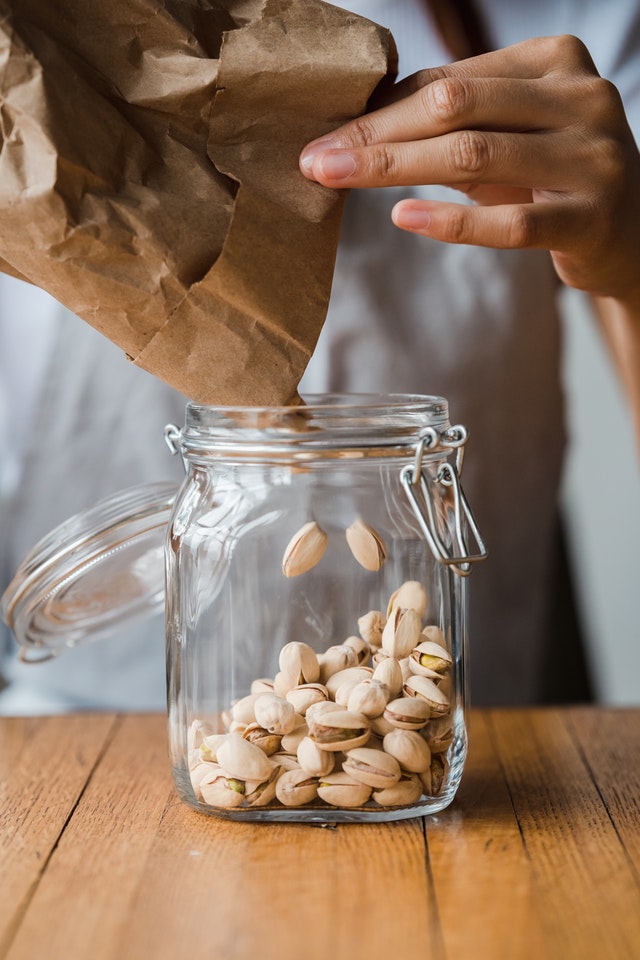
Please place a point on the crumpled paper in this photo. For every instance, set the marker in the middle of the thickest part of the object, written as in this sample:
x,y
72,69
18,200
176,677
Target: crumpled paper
x,y
149,175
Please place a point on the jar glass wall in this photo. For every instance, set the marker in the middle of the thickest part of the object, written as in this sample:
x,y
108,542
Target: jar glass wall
x,y
301,684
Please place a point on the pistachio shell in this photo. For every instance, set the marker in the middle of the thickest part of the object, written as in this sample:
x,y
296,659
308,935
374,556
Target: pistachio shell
x,y
425,689
290,741
373,767
430,659
401,632
318,709
434,777
389,672
343,692
438,734
434,634
360,647
407,790
262,685
371,626
409,748
334,659
366,545
209,746
380,726
243,760
295,788
368,697
300,660
219,790
268,742
259,793
410,596
285,761
198,730
242,711
407,713
306,694
315,761
304,550
341,790
339,730
274,714
199,772
351,674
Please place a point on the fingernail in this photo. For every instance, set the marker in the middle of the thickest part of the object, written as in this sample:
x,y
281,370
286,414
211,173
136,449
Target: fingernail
x,y
337,165
411,218
310,152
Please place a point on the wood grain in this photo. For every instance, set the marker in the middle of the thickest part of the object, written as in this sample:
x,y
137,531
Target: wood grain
x,y
45,768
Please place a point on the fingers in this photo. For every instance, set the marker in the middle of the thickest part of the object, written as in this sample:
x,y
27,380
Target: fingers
x,y
548,225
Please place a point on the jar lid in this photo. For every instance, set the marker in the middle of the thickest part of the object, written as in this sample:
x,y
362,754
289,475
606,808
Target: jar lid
x,y
99,570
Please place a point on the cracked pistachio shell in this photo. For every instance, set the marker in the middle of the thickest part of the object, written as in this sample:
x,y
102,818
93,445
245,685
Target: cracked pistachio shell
x,y
438,734
304,550
409,748
269,743
209,746
290,741
259,793
366,545
285,761
389,672
368,697
407,790
410,596
198,730
373,767
360,647
306,694
300,660
343,692
407,713
401,632
242,711
341,790
335,659
425,689
262,685
318,709
199,772
434,634
380,726
294,788
371,625
220,790
243,760
430,659
339,730
350,675
315,761
274,714
434,776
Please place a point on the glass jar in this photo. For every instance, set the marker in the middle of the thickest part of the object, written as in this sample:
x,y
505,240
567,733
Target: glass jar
x,y
316,563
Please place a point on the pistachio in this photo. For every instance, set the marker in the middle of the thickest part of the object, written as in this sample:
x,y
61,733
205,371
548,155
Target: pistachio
x,y
306,694
380,726
200,771
410,596
434,634
243,760
401,632
209,747
407,713
335,659
263,685
360,647
371,626
198,730
373,767
299,660
236,726
283,682
389,672
259,793
339,730
425,689
294,788
304,550
268,742
220,790
290,741
350,675
430,659
318,709
343,692
242,711
274,714
315,761
368,697
407,790
285,761
434,777
409,748
366,545
438,734
342,790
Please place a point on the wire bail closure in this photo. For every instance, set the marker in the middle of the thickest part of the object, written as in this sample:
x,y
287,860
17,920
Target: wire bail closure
x,y
457,554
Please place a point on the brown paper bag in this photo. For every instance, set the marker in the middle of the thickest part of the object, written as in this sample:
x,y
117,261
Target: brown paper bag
x,y
149,175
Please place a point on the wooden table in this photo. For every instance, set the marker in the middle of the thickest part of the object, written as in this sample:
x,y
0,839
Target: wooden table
x,y
539,856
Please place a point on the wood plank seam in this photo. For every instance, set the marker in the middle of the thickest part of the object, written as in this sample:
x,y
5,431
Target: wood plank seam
x,y
437,948
494,744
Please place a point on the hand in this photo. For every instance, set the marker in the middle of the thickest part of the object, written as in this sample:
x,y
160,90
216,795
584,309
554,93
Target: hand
x,y
533,134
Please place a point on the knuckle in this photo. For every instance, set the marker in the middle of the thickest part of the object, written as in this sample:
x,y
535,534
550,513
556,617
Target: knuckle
x,y
447,98
458,226
383,163
470,153
520,228
567,49
362,132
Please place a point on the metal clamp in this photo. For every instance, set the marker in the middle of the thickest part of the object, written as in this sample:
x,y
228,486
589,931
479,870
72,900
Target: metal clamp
x,y
457,555
172,439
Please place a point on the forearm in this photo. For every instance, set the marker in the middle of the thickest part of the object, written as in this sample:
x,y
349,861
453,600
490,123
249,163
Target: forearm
x,y
620,320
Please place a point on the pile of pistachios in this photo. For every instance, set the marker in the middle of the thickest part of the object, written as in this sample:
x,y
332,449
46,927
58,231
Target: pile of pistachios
x,y
368,720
